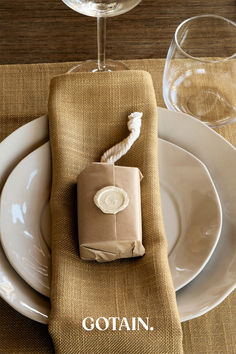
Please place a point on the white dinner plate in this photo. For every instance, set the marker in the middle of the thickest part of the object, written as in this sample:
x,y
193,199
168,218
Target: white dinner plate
x,y
191,207
13,289
216,280
24,197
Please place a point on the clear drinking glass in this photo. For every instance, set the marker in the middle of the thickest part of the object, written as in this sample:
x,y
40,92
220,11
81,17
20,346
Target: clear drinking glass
x,y
200,70
101,9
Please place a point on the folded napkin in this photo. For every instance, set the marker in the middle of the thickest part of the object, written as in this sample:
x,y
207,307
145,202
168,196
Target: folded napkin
x,y
87,115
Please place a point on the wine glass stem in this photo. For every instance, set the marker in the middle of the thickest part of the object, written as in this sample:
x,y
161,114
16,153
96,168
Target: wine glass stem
x,y
101,42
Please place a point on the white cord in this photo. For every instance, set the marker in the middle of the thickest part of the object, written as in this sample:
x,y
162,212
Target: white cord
x,y
120,149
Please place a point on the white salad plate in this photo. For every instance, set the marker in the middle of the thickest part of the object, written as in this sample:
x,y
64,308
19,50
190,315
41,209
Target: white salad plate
x,y
191,207
215,281
24,198
191,211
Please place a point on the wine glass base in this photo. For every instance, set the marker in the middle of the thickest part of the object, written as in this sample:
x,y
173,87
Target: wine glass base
x,y
92,66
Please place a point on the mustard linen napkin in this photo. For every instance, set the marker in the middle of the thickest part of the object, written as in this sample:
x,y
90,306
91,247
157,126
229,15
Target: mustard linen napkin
x,y
87,115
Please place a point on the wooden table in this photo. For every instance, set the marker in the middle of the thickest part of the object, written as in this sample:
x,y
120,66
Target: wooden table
x,y
48,31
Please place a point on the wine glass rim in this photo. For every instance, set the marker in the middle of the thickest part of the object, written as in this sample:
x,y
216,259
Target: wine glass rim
x,y
197,58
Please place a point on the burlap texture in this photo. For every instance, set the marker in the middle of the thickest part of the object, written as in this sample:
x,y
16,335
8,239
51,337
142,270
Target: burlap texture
x,y
87,115
24,96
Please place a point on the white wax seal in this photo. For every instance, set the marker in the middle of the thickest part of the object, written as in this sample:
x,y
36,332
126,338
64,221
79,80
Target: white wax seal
x,y
111,199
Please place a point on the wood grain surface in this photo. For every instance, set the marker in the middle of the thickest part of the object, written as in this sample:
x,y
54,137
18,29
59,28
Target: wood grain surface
x,y
48,31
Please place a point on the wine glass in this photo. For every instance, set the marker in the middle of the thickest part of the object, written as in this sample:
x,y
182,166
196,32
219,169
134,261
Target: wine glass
x,y
200,70
101,9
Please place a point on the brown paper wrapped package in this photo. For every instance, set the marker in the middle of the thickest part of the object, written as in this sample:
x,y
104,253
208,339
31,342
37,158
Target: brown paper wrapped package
x,y
106,237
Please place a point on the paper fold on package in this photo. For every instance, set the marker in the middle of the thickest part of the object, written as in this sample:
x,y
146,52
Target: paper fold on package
x,y
108,235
